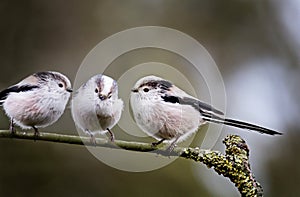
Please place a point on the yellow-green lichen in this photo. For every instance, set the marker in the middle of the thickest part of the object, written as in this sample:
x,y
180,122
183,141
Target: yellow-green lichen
x,y
234,164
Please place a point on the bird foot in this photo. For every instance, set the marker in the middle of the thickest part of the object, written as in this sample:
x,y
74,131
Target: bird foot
x,y
155,144
93,140
111,135
12,127
36,133
171,147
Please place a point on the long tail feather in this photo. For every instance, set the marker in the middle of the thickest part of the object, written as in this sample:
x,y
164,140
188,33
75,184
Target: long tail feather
x,y
238,124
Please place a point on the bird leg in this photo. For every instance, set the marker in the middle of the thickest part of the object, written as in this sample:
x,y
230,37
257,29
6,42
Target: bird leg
x,y
111,134
93,138
154,144
173,145
36,133
12,127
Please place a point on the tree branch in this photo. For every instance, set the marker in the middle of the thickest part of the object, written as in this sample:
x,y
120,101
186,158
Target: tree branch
x,y
234,164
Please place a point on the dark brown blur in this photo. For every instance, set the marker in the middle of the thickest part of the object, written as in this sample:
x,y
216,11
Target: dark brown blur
x,y
242,36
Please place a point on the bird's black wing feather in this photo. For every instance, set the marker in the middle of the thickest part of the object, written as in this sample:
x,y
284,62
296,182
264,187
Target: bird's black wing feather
x,y
198,105
170,99
16,88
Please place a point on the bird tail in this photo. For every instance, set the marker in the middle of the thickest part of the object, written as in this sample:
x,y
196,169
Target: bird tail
x,y
238,124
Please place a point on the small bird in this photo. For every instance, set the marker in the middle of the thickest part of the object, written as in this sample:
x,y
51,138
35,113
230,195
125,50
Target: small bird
x,y
37,101
96,107
166,112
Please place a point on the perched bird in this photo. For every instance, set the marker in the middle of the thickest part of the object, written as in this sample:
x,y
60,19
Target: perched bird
x,y
96,107
166,112
37,101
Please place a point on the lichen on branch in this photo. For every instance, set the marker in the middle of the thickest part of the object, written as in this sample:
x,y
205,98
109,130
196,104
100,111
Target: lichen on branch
x,y
234,164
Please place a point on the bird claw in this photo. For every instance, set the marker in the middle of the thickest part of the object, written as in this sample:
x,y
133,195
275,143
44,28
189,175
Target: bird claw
x,y
155,144
172,145
36,133
12,127
93,140
171,148
111,134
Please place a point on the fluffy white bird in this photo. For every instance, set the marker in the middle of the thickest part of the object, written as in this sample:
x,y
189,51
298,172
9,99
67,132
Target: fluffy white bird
x,y
166,112
37,101
96,107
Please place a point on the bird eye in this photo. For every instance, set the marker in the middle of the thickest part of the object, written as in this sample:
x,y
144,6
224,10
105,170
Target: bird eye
x,y
109,96
146,89
60,85
96,90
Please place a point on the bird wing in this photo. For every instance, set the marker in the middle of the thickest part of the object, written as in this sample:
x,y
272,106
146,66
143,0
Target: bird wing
x,y
200,106
15,88
186,99
197,104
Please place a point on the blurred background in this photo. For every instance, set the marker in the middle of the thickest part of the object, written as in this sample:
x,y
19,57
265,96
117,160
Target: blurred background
x,y
256,45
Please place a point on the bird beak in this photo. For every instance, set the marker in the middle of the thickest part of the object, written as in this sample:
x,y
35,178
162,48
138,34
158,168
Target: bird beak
x,y
69,90
102,97
134,90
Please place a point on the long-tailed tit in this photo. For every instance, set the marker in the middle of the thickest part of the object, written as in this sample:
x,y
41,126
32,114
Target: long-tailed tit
x,y
166,112
37,101
96,107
